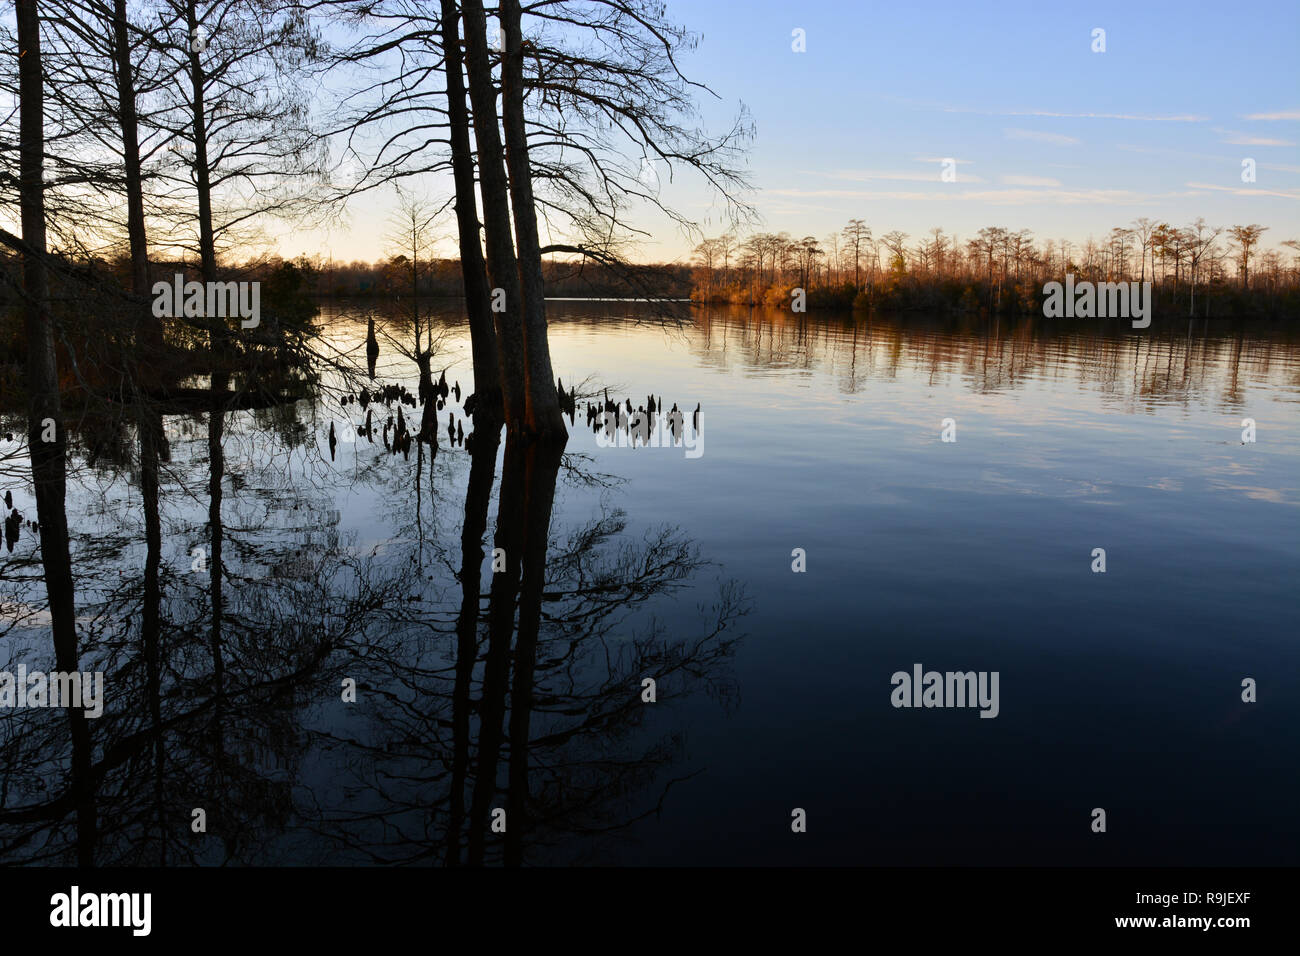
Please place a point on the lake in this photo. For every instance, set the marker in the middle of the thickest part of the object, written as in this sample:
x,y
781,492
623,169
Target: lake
x,y
867,497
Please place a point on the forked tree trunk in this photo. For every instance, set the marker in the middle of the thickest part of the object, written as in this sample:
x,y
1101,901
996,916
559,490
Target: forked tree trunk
x,y
541,467
501,268
489,412
542,416
483,463
509,537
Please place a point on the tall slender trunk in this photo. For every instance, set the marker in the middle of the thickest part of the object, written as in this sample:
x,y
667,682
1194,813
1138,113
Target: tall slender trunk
x,y
152,440
501,268
49,464
501,624
482,335
148,327
415,289
542,465
220,379
202,173
543,415
483,463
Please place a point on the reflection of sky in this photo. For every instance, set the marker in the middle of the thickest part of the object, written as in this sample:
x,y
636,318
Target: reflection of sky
x,y
825,435
822,429
823,425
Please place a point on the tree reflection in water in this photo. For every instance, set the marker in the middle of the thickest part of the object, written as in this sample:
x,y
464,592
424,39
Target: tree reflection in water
x,y
518,690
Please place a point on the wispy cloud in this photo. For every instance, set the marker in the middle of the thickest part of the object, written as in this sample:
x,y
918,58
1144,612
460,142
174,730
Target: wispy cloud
x,y
1249,191
998,197
908,176
1279,115
1234,160
1037,136
1140,117
1052,114
944,159
1029,181
1234,138
1166,151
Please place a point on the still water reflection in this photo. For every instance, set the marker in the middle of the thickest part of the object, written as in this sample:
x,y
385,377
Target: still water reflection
x,y
508,685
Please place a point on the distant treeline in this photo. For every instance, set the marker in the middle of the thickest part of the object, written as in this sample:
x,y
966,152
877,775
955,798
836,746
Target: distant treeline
x,y
442,277
323,278
1199,269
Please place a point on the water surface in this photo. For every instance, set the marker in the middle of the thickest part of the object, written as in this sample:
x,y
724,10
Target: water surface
x,y
1118,690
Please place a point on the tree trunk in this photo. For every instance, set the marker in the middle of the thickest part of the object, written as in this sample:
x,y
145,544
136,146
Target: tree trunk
x,y
488,412
501,267
220,379
483,463
49,465
541,467
148,328
542,415
149,346
509,538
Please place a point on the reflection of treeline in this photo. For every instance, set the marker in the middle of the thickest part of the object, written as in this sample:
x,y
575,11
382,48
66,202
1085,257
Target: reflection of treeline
x,y
99,337
518,688
1179,361
1197,270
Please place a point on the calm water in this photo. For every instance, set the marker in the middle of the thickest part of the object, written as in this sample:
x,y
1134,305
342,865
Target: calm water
x,y
1119,690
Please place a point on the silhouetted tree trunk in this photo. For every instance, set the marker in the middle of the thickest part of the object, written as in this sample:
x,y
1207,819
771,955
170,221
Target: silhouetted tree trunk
x,y
501,624
483,463
542,415
541,467
501,266
148,327
148,343
220,379
151,438
49,466
487,369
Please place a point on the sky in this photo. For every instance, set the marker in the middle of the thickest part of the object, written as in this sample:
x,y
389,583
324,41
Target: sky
x,y
1046,132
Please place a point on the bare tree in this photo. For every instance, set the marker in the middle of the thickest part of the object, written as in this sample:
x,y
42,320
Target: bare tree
x,y
1200,248
1246,238
1142,229
856,234
46,438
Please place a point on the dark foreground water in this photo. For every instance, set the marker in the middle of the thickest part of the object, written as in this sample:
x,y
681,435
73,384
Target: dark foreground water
x,y
1120,690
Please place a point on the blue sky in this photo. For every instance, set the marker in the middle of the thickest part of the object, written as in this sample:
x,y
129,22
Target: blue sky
x,y
1048,135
